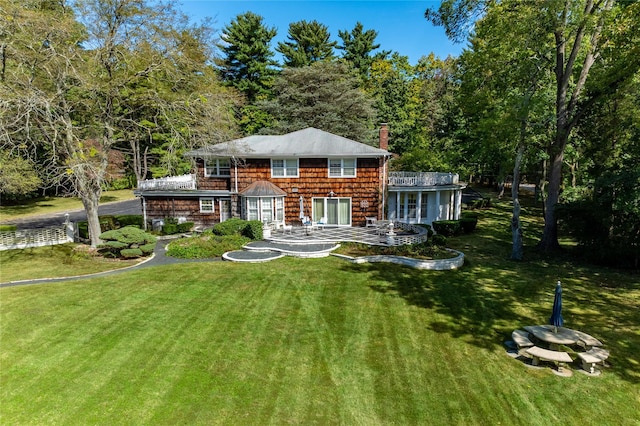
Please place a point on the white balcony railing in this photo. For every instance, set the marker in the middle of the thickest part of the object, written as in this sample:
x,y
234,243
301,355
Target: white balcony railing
x,y
171,183
422,178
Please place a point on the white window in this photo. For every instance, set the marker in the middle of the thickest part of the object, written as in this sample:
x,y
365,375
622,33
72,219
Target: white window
x,y
342,167
284,167
252,209
217,167
206,205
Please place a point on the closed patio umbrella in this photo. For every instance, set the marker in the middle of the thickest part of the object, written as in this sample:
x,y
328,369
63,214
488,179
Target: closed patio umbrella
x,y
556,315
301,207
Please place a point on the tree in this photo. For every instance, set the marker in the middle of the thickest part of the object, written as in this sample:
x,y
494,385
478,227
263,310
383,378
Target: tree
x,y
324,95
357,46
395,91
587,38
308,43
18,176
247,64
503,95
74,92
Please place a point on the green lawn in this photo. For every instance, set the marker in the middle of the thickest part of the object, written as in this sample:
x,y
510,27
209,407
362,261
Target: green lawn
x,y
49,205
61,260
317,341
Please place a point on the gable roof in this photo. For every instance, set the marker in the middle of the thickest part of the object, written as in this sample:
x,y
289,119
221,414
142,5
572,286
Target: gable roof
x,y
305,143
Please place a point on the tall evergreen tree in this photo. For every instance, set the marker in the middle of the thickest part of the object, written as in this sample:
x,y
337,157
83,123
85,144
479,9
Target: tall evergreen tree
x,y
358,45
308,43
324,95
248,63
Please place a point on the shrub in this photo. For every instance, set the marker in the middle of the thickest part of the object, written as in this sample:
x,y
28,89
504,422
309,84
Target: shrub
x,y
447,228
233,226
253,230
185,226
129,220
428,228
169,229
468,222
8,228
107,223
439,240
127,242
205,246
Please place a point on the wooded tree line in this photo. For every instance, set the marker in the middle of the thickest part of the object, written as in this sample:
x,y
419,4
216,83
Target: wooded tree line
x,y
114,91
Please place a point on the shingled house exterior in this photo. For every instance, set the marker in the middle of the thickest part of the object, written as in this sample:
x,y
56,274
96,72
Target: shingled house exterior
x,y
308,174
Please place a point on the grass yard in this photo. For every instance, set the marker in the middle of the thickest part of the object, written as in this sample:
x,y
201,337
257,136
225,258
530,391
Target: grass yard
x,y
54,261
318,341
49,205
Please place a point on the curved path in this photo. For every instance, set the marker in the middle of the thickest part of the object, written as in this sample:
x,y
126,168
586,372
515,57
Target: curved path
x,y
159,258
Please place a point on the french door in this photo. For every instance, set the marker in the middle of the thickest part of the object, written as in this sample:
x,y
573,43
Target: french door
x,y
333,211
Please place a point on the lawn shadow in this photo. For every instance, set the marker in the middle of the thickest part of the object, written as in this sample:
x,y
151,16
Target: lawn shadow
x,y
490,296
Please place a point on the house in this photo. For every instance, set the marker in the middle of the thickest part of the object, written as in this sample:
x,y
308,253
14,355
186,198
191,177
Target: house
x,y
287,178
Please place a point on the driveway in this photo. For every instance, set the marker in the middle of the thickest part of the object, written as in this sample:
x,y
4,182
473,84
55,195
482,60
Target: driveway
x,y
42,221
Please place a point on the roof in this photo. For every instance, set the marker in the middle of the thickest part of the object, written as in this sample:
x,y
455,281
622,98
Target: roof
x,y
306,143
262,188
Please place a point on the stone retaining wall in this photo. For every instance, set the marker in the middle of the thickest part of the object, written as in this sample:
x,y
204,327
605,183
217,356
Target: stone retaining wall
x,y
434,265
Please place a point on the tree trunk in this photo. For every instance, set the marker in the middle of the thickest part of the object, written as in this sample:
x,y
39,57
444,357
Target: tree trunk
x,y
517,251
91,200
549,241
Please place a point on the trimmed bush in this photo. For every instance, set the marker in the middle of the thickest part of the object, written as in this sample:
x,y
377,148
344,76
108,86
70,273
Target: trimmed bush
x,y
468,221
447,228
185,226
8,228
127,242
253,230
169,228
130,220
439,240
131,253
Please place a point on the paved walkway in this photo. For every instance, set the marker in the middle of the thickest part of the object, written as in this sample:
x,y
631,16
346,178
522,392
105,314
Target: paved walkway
x,y
159,258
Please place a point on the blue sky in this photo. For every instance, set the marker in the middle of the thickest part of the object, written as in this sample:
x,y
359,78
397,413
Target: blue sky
x,y
400,24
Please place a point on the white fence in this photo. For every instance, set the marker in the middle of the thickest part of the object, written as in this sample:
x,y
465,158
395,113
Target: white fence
x,y
27,238
168,183
420,236
422,178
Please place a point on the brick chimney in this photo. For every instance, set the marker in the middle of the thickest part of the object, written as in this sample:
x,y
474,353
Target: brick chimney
x,y
384,136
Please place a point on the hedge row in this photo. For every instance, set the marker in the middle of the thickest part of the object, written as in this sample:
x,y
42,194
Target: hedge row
x,y
466,224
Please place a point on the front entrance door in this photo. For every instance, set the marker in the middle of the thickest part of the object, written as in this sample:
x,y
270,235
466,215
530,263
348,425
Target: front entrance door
x,y
225,209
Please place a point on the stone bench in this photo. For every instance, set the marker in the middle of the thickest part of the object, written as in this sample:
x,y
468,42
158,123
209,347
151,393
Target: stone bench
x,y
521,339
545,354
592,357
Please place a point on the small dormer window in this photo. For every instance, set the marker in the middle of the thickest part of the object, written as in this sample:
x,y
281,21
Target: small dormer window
x,y
217,167
342,167
284,167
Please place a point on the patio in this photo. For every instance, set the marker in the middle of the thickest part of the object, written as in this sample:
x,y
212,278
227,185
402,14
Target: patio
x,y
368,235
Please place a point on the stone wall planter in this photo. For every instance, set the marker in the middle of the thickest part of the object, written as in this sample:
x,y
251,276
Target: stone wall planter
x,y
434,265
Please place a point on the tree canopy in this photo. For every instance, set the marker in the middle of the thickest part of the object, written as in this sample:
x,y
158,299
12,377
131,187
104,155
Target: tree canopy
x,y
308,42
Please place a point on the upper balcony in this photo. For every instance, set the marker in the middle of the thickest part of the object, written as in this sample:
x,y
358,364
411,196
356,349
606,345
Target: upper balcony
x,y
422,178
171,183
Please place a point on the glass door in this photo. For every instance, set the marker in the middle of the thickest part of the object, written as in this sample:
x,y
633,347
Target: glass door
x,y
225,209
338,211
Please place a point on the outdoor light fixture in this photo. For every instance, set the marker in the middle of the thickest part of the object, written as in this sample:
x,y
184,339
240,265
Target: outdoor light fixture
x,y
332,194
